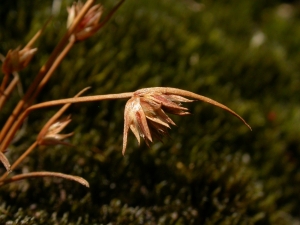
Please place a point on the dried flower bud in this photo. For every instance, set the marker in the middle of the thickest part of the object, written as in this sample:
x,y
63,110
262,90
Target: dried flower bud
x,y
89,23
52,136
17,59
145,111
145,114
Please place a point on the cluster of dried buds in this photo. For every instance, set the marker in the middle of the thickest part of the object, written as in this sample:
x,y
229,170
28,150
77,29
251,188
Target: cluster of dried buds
x,y
50,135
145,112
90,22
16,60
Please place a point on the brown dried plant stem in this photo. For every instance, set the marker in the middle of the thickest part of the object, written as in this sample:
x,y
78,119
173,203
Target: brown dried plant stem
x,y
18,123
5,78
52,69
8,90
4,83
163,90
44,69
37,35
45,174
19,160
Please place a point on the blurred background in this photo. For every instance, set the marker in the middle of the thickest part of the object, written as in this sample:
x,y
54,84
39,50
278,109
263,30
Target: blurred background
x,y
212,169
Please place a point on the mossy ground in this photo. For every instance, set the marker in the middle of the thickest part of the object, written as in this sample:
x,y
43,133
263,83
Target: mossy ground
x,y
212,169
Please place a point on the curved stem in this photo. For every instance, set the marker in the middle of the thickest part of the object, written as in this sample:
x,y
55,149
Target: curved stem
x,y
4,83
20,120
45,174
8,90
82,99
19,160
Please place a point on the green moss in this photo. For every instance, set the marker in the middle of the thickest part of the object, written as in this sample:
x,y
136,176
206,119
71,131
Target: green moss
x,y
211,170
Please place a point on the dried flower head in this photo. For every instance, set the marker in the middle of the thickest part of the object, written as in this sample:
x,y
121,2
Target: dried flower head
x,y
145,112
51,136
90,22
17,59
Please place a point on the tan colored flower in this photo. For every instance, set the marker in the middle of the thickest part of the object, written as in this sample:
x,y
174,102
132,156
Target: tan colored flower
x,y
90,22
145,114
52,136
17,59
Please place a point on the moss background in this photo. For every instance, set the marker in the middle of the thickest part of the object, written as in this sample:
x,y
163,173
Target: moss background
x,y
212,170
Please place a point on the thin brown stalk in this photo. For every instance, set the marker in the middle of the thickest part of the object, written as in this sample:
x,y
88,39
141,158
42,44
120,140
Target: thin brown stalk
x,y
4,83
19,160
37,35
81,99
45,174
44,69
8,90
52,69
12,131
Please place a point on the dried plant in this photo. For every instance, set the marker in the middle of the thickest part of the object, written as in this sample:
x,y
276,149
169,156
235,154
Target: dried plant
x,y
146,111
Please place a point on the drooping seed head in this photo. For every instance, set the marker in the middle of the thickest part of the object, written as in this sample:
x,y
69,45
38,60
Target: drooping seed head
x,y
145,114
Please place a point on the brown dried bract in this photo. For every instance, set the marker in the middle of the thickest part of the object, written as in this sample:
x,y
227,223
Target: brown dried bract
x,y
90,22
17,59
51,136
145,114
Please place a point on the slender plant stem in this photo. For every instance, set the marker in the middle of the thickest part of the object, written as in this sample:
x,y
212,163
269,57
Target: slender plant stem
x,y
37,35
54,66
4,83
19,160
45,174
44,69
8,90
23,116
82,99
